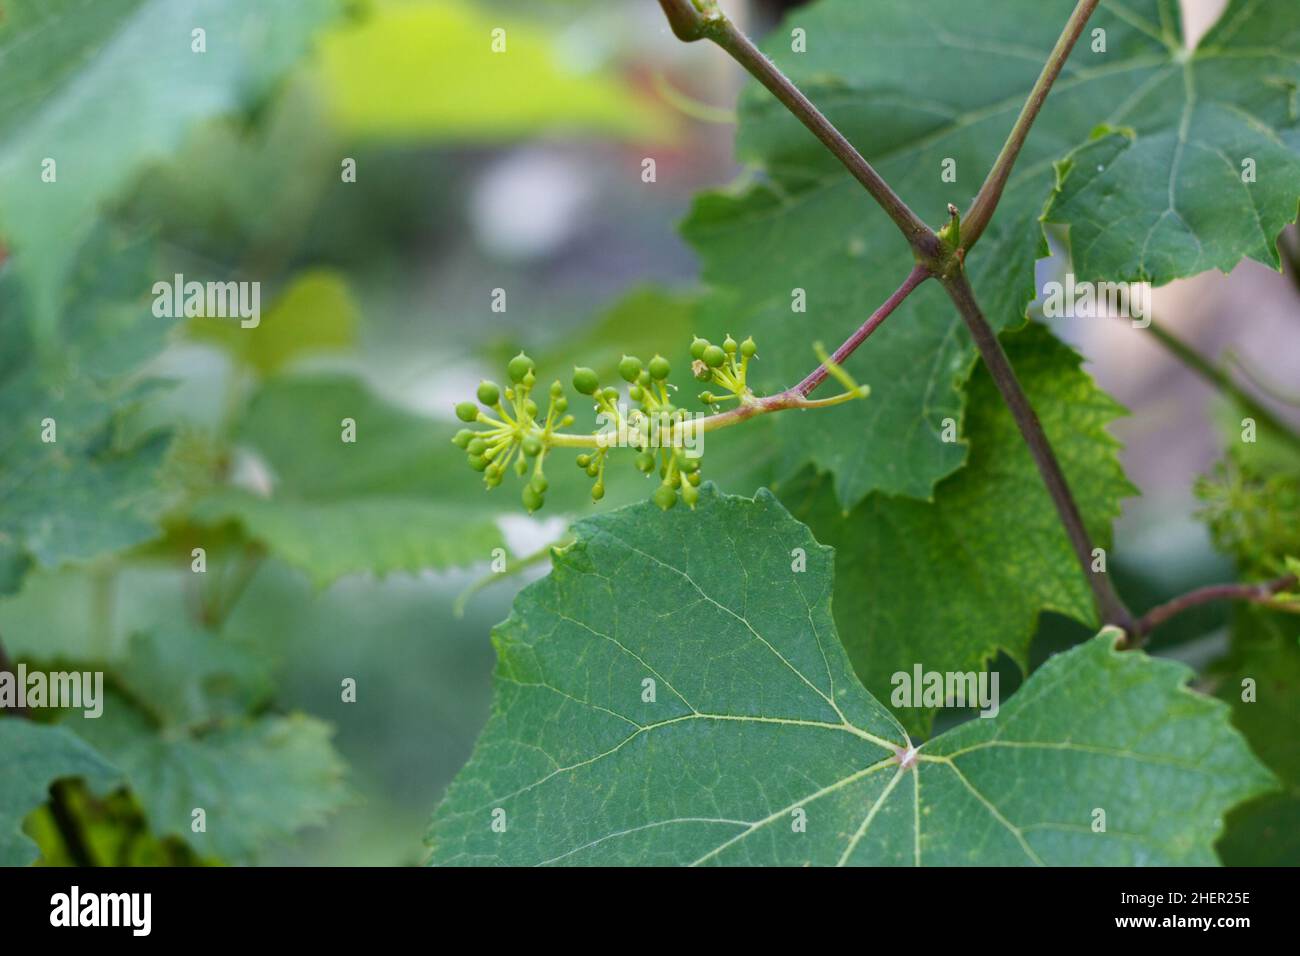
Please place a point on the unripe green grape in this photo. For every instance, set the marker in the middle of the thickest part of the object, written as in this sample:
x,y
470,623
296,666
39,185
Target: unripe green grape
x,y
532,498
476,446
585,380
488,393
645,462
593,470
532,445
748,348
690,494
714,356
583,460
659,368
698,346
729,344
519,367
478,462
467,411
462,438
629,367
597,491
664,497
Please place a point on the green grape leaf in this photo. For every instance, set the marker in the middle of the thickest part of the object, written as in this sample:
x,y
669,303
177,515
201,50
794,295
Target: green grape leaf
x,y
75,481
807,225
257,780
1206,169
316,313
674,692
100,89
183,675
35,756
468,91
399,498
948,583
1265,651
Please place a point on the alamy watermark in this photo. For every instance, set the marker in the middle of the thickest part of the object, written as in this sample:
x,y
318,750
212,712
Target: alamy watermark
x,y
70,690
922,688
1089,300
223,300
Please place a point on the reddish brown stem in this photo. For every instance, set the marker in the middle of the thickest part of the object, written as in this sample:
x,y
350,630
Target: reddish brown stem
x,y
1255,593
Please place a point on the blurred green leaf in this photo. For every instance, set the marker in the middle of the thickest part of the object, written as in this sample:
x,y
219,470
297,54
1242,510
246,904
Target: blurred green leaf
x,y
257,780
398,499
35,756
100,88
426,70
316,313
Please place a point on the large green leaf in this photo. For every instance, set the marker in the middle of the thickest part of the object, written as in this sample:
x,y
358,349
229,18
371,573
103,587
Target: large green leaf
x,y
757,716
400,498
100,88
93,488
33,756
1206,167
257,780
914,86
948,583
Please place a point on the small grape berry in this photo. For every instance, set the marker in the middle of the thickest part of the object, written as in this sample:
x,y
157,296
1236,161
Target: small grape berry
x,y
488,393
467,411
629,367
585,381
519,367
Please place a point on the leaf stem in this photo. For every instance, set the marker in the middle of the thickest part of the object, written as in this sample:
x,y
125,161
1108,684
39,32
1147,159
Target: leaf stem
x,y
702,19
1220,379
986,201
818,375
1110,607
1260,593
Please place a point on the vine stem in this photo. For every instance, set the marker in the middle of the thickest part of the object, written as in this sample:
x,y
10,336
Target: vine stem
x,y
699,20
1221,380
1255,593
986,201
1109,605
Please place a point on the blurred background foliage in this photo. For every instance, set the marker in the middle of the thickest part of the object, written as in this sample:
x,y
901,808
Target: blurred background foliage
x,y
325,560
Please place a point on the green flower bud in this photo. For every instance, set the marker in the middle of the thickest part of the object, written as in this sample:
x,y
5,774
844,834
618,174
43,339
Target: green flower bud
x,y
629,367
714,356
635,393
659,368
540,484
519,366
532,446
698,346
729,344
597,491
690,495
478,462
693,479
561,404
530,408
583,460
521,466
688,464
557,390
643,379
462,438
467,411
610,394
476,446
708,398
645,462
748,348
532,498
488,393
664,497
585,381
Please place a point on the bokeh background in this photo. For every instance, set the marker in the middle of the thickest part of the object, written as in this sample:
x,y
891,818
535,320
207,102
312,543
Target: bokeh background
x,y
475,173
